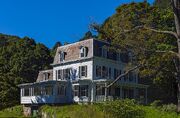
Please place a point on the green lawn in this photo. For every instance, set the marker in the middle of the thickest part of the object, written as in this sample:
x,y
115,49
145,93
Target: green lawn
x,y
84,111
92,111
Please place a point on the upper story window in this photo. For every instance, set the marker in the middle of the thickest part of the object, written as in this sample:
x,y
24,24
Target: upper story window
x,y
83,51
117,73
61,56
63,74
46,76
103,71
82,71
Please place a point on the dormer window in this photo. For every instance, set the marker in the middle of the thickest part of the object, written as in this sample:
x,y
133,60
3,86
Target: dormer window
x,y
83,51
61,56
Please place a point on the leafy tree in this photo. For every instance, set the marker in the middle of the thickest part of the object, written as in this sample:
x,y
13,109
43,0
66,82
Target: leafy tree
x,y
87,35
53,51
143,43
163,4
20,61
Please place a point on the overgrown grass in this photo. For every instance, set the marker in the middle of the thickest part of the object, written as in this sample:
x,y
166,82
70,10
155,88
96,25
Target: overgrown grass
x,y
16,111
94,111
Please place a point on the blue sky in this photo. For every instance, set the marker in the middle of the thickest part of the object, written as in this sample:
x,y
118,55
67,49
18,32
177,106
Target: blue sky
x,y
49,21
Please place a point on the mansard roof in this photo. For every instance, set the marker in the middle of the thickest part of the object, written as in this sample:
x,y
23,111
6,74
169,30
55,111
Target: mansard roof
x,y
41,75
72,51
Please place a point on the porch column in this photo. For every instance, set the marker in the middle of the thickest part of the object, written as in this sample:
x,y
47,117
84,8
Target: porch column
x,y
92,92
105,96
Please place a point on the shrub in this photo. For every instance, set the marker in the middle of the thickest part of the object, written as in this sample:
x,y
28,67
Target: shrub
x,y
156,103
169,108
123,109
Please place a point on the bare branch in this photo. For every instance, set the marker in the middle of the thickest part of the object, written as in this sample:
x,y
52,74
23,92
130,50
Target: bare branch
x,y
175,53
152,29
123,75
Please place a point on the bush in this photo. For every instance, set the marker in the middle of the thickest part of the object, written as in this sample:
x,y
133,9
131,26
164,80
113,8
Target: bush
x,y
169,108
156,103
123,109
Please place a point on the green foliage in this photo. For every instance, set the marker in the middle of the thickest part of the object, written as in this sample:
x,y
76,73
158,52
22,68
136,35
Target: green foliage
x,y
146,46
87,35
123,109
16,111
114,109
156,103
20,61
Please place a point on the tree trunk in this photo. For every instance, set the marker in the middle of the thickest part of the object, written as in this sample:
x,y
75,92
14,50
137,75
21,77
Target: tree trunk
x,y
176,10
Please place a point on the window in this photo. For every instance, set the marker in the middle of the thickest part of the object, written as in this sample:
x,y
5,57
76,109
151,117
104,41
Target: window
x,y
26,92
61,90
37,90
66,73
62,56
76,90
48,90
60,74
100,90
63,74
82,71
46,76
83,51
104,72
84,90
98,71
116,73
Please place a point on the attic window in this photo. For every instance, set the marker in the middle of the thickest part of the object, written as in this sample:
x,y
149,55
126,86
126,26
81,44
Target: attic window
x,y
83,51
61,56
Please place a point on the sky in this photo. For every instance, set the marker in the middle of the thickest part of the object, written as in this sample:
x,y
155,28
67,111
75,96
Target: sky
x,y
49,21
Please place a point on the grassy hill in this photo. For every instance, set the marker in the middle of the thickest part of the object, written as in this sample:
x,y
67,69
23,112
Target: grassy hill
x,y
90,111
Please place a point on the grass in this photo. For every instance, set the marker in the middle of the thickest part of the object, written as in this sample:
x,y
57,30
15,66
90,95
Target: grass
x,y
84,111
93,111
12,112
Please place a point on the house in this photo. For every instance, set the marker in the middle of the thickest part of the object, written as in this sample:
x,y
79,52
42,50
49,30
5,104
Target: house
x,y
80,73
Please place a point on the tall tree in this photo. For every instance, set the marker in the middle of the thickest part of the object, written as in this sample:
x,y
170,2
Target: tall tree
x,y
138,30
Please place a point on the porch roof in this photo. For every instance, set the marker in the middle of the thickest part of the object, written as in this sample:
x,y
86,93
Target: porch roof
x,y
40,83
123,84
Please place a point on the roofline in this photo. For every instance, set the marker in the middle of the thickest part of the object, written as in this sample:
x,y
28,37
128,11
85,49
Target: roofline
x,y
83,41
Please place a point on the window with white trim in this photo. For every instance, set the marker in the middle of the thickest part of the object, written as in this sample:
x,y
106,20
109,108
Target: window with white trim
x,y
61,56
83,51
76,90
84,90
82,71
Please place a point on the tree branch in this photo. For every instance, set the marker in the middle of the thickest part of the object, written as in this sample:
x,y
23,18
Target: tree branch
x,y
123,75
152,29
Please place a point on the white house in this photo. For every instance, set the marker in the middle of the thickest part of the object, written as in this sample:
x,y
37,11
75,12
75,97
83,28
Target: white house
x,y
80,73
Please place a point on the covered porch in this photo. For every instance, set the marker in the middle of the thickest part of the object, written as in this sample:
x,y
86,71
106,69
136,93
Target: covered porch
x,y
45,92
120,90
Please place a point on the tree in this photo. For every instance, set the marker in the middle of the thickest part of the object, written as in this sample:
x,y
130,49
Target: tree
x,y
87,35
53,51
163,4
149,44
21,59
